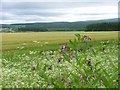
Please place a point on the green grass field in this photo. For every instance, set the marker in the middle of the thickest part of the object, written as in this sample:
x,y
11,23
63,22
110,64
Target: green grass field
x,y
39,39
35,60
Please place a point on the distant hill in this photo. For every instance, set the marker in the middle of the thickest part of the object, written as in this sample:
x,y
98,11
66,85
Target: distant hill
x,y
61,26
104,20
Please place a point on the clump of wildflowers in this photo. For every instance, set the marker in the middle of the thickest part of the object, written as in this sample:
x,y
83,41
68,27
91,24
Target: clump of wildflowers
x,y
72,56
65,47
86,38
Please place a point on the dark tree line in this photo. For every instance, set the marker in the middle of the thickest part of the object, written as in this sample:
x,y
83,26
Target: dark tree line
x,y
63,26
106,26
31,28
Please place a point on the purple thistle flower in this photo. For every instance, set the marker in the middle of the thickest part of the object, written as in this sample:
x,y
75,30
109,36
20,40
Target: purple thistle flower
x,y
65,47
86,38
72,56
64,80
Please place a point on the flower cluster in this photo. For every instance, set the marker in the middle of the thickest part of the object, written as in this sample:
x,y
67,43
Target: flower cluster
x,y
86,38
65,48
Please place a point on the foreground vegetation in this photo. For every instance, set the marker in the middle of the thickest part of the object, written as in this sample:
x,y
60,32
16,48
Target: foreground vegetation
x,y
80,63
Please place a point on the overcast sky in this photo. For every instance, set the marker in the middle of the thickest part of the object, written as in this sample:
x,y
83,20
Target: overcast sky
x,y
27,11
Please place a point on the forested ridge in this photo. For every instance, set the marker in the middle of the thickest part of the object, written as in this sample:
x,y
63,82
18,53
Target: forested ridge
x,y
65,26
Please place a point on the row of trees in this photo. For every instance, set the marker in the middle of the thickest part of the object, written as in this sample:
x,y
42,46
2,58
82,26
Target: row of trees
x,y
106,26
30,28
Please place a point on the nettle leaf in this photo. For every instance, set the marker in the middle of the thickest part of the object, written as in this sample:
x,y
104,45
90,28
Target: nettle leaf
x,y
98,63
105,79
66,57
106,82
114,76
113,65
97,70
71,43
97,79
94,52
78,36
58,83
75,41
75,75
43,75
106,74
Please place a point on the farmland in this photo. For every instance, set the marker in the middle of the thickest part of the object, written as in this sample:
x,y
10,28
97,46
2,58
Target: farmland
x,y
60,60
32,39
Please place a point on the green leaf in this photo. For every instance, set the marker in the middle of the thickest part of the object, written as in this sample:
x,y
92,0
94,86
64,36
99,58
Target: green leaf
x,y
66,57
98,63
78,36
106,82
106,74
71,43
75,40
97,79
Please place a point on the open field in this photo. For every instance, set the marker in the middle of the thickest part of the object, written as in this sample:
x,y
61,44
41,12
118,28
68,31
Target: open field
x,y
36,60
33,39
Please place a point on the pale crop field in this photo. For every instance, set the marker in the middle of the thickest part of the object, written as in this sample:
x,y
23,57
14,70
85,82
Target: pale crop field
x,y
33,39
60,60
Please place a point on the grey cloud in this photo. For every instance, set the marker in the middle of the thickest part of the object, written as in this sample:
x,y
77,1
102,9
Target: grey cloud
x,y
38,8
50,5
94,14
27,10
36,5
5,18
39,13
43,14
